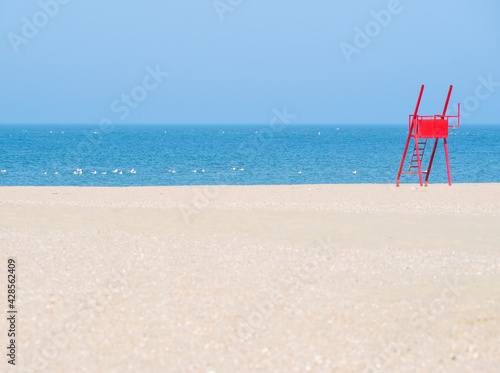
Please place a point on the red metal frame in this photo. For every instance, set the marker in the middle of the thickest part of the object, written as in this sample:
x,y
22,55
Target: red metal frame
x,y
427,127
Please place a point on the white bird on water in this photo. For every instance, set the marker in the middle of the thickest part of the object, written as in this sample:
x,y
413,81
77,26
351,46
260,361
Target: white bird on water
x,y
354,172
94,172
133,171
121,172
241,169
115,171
103,173
193,171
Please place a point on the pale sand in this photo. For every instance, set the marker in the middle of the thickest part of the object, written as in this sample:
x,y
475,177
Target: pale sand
x,y
311,278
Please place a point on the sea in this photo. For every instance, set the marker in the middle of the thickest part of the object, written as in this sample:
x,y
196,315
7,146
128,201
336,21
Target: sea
x,y
154,155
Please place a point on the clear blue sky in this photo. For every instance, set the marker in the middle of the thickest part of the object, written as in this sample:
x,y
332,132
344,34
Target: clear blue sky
x,y
239,62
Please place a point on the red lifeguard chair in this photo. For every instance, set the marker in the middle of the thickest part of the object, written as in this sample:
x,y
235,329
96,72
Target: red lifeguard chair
x,y
422,128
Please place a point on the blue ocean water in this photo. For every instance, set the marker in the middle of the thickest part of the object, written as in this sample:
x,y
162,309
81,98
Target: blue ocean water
x,y
44,155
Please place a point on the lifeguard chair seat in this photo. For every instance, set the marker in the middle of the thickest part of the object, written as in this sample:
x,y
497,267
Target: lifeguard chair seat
x,y
432,128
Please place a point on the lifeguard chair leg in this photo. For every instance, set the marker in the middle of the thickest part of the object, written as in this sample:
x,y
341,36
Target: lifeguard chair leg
x,y
447,101
430,162
445,140
404,155
412,127
447,161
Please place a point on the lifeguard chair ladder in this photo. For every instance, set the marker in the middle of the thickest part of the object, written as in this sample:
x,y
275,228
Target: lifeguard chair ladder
x,y
422,128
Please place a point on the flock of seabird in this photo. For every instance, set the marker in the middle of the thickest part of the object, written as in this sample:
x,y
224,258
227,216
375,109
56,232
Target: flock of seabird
x,y
79,171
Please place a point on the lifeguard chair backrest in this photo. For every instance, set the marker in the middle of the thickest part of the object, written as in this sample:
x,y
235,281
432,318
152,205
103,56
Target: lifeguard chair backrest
x,y
433,127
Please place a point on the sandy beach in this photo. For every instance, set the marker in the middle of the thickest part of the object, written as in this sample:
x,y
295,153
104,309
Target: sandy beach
x,y
304,278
